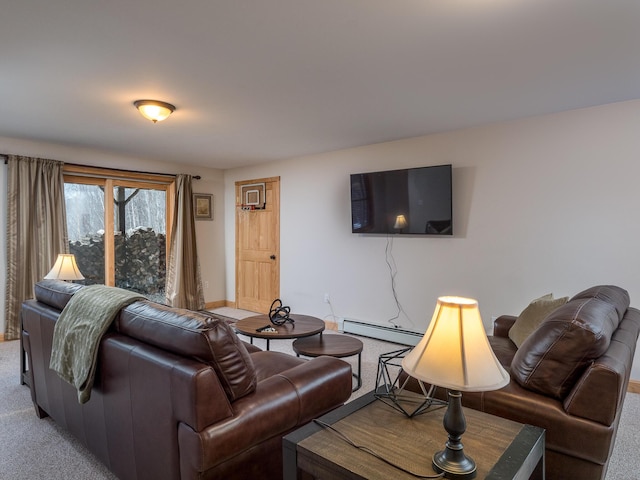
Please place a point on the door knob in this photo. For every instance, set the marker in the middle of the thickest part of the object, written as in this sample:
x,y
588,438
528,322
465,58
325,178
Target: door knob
x,y
272,257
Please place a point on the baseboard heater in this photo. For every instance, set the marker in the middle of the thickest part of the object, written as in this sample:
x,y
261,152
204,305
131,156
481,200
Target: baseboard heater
x,y
381,332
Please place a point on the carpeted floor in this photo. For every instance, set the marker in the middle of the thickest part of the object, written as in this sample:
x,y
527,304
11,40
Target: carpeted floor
x,y
233,313
31,448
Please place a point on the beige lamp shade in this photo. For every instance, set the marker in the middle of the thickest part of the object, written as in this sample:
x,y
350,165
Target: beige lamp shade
x,y
65,268
455,352
401,222
154,110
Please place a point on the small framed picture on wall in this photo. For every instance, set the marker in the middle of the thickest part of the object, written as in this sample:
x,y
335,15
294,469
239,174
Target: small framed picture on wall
x,y
203,206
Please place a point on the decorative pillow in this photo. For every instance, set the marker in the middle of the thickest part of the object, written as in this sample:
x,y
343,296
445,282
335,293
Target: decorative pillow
x,y
532,316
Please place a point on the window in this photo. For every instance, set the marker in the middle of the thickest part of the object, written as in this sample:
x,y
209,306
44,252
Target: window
x,y
118,223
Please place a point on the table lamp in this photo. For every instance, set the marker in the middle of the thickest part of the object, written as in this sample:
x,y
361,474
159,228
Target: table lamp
x,y
401,222
455,354
65,268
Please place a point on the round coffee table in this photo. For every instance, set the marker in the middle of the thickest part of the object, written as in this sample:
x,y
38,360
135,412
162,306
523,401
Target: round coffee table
x,y
333,345
303,326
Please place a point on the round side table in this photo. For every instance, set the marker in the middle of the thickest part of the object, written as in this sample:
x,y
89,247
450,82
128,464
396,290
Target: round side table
x,y
333,345
302,326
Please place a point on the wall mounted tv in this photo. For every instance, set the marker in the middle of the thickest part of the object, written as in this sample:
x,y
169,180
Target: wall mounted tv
x,y
414,201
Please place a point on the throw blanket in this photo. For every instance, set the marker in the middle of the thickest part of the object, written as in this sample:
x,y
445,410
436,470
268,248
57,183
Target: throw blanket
x,y
78,332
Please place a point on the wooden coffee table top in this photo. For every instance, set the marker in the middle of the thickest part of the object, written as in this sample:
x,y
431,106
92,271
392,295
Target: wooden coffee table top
x,y
303,326
331,344
501,448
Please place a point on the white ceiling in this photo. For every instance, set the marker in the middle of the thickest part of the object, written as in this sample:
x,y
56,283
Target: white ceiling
x,y
258,80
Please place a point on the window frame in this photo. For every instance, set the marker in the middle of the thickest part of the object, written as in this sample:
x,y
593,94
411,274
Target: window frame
x,y
110,178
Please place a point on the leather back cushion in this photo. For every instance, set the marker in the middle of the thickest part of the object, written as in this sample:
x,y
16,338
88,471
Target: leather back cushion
x,y
555,355
55,293
193,334
613,295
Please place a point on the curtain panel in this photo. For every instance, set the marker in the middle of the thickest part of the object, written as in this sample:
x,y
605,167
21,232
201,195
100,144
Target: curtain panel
x,y
36,229
184,284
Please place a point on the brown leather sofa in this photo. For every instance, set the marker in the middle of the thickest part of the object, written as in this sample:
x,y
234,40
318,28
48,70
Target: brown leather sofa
x,y
177,395
570,377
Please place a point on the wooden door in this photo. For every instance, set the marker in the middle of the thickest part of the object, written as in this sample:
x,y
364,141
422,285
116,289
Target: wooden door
x,y
257,243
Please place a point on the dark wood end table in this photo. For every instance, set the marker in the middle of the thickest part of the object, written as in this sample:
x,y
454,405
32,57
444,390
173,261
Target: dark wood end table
x,y
303,326
333,345
501,448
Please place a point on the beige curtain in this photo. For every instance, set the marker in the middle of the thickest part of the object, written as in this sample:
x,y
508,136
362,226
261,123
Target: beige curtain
x,y
184,285
36,229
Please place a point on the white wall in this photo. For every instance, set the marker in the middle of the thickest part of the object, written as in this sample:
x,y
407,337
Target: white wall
x,y
210,234
545,204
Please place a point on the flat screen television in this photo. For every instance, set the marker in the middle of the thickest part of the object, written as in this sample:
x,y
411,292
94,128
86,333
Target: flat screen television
x,y
416,201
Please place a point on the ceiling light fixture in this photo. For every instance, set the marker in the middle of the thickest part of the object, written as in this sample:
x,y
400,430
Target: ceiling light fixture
x,y
154,110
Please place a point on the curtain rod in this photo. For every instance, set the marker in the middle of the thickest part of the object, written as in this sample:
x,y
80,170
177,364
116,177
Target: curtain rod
x,y
195,177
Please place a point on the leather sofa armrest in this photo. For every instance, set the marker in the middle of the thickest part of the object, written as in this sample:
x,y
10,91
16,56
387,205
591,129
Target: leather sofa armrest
x,y
279,404
198,398
564,432
503,324
599,393
315,397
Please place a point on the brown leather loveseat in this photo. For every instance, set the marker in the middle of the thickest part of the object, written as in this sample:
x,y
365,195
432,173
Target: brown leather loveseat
x,y
177,395
570,377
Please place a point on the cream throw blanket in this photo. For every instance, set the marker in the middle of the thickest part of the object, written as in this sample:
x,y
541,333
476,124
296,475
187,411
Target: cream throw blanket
x,y
78,332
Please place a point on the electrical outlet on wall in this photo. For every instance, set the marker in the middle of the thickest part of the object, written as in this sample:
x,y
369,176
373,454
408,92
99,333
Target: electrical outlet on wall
x,y
326,298
206,284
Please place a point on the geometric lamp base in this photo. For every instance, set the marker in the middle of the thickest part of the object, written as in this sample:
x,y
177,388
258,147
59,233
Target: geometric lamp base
x,y
389,391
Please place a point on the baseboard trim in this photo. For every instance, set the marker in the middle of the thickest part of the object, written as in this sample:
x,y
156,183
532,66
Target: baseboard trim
x,y
381,332
216,304
634,386
219,304
329,325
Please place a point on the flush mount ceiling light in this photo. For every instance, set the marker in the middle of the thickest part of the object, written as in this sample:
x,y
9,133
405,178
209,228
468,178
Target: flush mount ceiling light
x,y
154,110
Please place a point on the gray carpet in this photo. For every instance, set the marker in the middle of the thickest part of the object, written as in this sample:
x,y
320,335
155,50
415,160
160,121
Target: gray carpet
x,y
31,448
